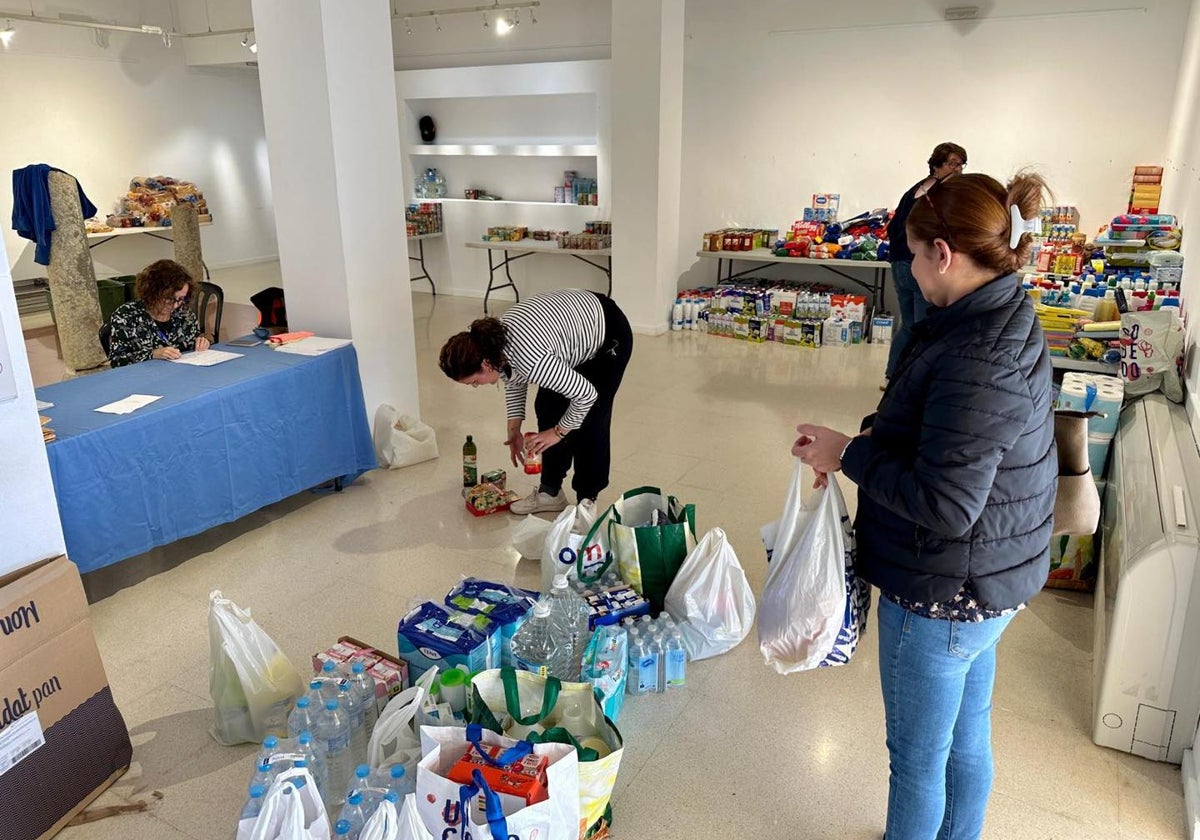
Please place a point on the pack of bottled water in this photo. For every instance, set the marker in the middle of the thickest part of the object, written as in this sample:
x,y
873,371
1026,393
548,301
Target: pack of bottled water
x,y
366,790
278,755
657,657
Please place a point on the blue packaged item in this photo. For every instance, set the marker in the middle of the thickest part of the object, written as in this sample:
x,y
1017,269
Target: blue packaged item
x,y
606,667
434,635
505,605
614,604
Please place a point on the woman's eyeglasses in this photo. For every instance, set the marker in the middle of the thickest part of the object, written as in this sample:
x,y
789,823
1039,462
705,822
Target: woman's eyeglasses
x,y
941,219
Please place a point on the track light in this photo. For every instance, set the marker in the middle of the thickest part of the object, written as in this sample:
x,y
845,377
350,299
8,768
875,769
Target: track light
x,y
486,25
7,33
532,16
408,26
437,23
504,25
250,44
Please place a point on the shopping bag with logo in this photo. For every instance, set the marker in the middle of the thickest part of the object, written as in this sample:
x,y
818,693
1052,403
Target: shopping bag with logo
x,y
291,810
450,809
711,600
1152,353
394,739
529,536
813,608
536,704
252,683
563,552
650,535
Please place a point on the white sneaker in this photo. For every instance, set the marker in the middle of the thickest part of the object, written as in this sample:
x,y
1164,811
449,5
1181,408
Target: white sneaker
x,y
588,506
538,502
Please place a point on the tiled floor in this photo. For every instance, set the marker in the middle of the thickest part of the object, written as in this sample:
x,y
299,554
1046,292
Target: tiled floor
x,y
740,752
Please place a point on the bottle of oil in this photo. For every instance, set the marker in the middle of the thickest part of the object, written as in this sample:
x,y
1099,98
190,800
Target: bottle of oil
x,y
470,463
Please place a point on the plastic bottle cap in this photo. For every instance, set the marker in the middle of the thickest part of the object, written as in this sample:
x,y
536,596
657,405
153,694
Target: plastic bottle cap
x,y
541,609
397,771
331,705
257,791
560,581
270,742
305,737
328,667
342,828
357,668
354,798
392,796
453,677
362,771
303,703
315,685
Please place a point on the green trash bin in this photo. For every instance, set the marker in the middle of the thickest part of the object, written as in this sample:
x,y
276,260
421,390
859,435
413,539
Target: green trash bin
x,y
112,295
129,281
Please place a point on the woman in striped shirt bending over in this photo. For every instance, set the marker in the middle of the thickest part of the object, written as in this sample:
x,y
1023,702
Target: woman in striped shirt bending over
x,y
574,346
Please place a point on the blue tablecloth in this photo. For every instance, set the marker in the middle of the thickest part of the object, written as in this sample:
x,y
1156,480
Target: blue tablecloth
x,y
222,442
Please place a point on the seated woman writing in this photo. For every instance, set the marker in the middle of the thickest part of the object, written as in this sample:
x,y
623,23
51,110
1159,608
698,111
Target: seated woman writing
x,y
159,325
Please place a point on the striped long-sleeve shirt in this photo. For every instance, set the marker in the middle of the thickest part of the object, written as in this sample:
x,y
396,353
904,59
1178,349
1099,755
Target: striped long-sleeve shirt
x,y
548,337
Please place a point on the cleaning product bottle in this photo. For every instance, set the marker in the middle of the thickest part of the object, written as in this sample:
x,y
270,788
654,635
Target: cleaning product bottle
x,y
470,463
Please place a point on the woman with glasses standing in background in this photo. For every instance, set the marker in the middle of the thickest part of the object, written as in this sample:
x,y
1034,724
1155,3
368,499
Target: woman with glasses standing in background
x,y
159,324
947,159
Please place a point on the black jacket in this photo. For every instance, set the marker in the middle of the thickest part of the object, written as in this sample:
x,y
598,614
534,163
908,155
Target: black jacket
x,y
958,477
898,250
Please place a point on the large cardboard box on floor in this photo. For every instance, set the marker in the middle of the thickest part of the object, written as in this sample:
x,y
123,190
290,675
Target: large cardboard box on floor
x,y
62,740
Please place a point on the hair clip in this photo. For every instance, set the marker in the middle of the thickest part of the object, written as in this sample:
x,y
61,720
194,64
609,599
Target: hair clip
x,y
1020,226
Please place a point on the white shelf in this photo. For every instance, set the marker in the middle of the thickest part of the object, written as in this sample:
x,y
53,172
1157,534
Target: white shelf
x,y
505,201
1121,243
1083,365
514,150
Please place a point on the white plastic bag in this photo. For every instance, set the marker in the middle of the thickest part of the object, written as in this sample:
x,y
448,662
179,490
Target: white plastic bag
x,y
384,824
440,801
710,598
410,826
805,606
394,739
1152,353
292,810
400,440
529,536
252,684
565,541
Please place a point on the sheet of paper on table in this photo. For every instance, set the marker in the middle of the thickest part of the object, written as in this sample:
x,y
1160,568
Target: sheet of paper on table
x,y
42,405
206,358
128,405
313,346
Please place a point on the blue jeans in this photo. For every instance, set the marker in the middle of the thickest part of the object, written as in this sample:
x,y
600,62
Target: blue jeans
x,y
912,309
937,678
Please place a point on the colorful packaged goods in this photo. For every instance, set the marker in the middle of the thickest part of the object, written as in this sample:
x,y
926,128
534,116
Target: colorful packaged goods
x,y
506,234
435,635
507,606
576,190
1146,191
614,604
518,783
484,499
390,673
497,478
423,218
149,202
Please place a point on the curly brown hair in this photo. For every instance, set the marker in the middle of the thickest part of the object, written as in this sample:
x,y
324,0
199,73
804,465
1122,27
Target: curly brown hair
x,y
160,280
464,354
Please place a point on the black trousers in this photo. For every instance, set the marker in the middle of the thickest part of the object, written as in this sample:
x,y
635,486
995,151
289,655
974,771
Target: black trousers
x,y
590,446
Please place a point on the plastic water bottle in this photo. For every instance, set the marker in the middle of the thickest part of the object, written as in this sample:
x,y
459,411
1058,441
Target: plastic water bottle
x,y
253,806
351,702
333,731
400,781
314,754
354,814
342,829
648,659
263,774
573,615
633,683
365,683
359,780
542,646
301,718
658,648
676,671
331,681
270,746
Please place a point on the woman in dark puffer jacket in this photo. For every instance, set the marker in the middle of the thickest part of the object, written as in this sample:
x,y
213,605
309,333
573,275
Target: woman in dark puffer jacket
x,y
956,476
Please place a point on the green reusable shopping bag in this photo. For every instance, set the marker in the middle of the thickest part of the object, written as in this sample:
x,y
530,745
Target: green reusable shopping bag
x,y
648,556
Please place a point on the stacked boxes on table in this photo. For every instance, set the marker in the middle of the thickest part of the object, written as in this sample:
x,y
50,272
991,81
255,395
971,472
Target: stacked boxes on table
x,y
1146,191
62,739
802,315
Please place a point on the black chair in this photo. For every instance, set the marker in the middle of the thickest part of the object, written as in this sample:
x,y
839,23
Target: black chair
x,y
106,337
206,292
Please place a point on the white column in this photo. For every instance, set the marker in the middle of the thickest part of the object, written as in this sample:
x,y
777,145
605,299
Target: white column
x,y
647,135
329,107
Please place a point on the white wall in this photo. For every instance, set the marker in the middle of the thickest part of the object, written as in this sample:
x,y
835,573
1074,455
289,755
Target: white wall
x,y
133,107
780,105
567,30
29,526
1181,193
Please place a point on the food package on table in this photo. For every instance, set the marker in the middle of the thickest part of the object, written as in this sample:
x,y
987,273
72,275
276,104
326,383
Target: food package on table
x,y
483,499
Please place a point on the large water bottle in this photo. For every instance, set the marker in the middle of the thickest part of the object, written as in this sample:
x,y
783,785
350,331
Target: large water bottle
x,y
314,754
263,773
342,829
572,612
270,746
331,681
354,813
351,703
658,647
333,731
316,700
360,779
365,684
253,806
648,659
542,646
633,681
676,669
398,780
301,718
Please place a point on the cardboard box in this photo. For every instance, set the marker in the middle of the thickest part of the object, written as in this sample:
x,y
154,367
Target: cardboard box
x,y
390,673
517,785
62,739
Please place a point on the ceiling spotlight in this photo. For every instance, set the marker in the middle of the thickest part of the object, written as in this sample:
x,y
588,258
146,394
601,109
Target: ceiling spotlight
x,y
516,18
437,23
485,21
532,17
7,33
408,26
250,44
504,25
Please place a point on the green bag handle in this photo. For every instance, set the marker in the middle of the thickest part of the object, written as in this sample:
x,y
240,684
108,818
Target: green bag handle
x,y
559,735
608,555
512,697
